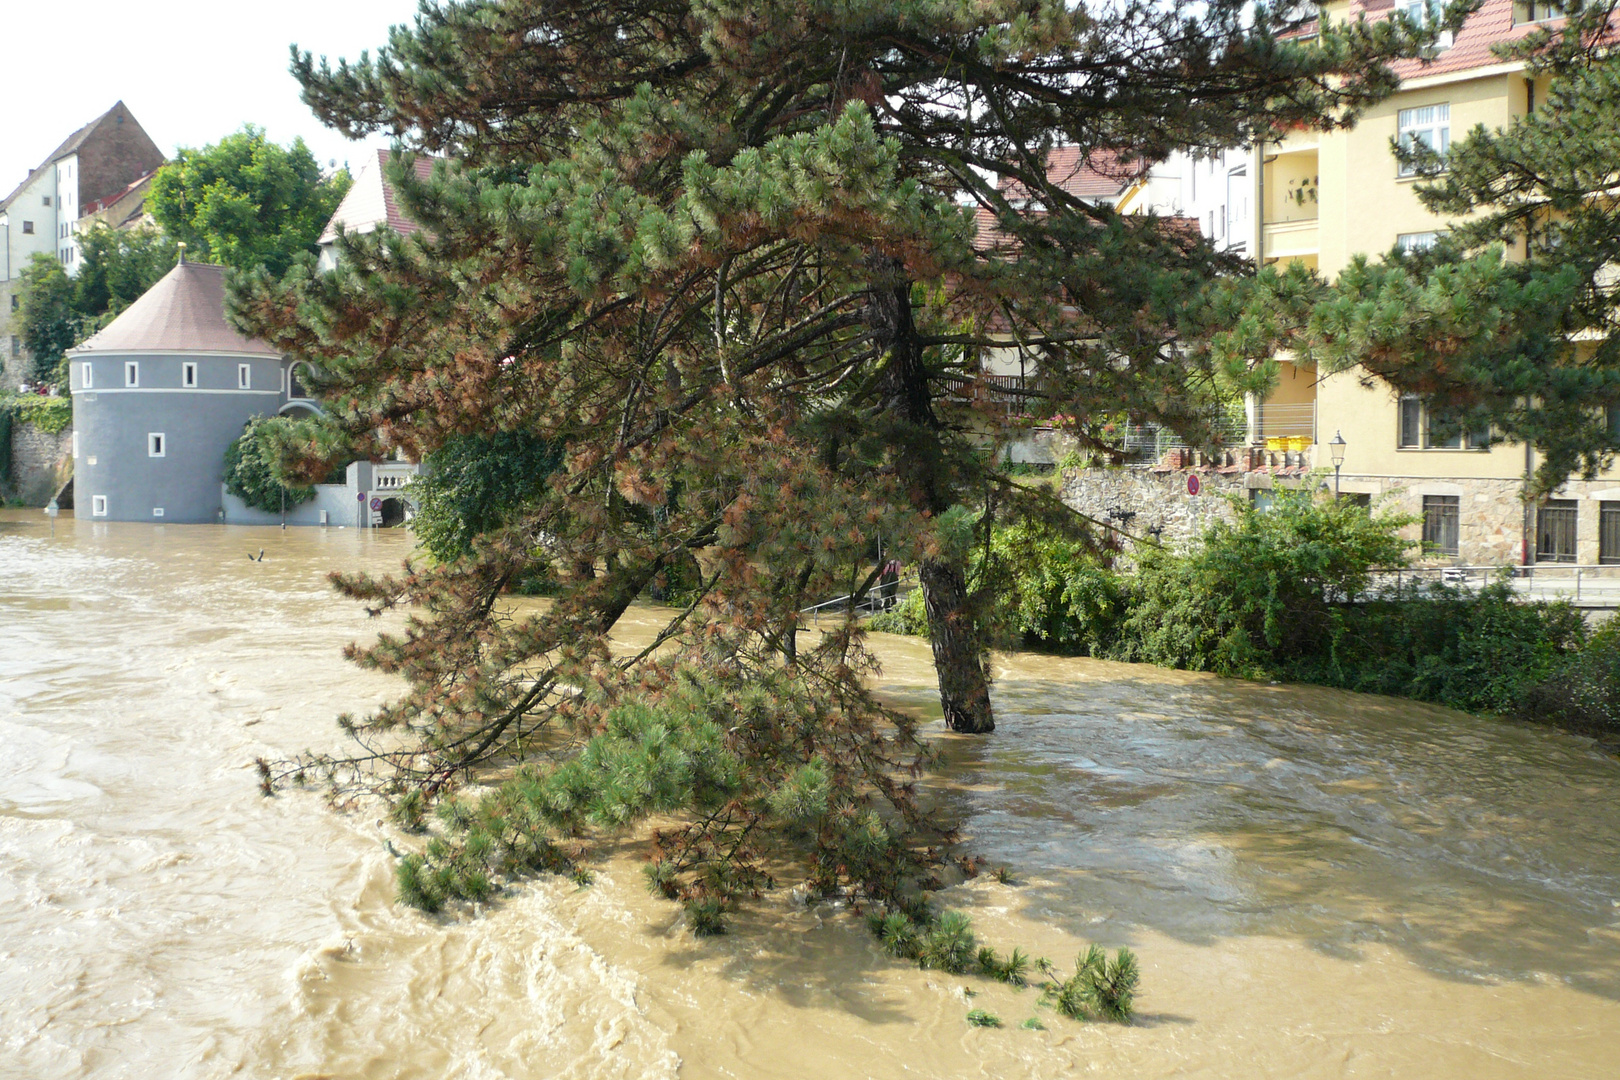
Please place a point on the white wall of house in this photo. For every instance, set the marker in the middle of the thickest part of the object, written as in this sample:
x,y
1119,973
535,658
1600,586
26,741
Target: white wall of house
x,y
1217,190
30,224
67,212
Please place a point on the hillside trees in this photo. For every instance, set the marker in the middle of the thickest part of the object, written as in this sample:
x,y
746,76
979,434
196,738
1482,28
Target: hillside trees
x,y
245,201
725,256
46,315
57,311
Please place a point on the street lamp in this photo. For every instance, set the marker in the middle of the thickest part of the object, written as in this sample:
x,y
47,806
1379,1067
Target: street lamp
x,y
1336,448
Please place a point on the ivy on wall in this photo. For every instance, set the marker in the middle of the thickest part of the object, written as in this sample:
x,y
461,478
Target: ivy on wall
x,y
52,415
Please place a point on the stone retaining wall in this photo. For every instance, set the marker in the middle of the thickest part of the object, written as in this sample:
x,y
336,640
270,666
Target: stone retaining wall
x,y
40,462
1154,501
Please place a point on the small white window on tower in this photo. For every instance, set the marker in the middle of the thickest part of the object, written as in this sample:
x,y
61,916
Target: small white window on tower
x,y
244,376
157,511
154,444
84,376
132,373
188,373
98,506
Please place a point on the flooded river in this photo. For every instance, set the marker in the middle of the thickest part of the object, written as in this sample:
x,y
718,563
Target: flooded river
x,y
1318,884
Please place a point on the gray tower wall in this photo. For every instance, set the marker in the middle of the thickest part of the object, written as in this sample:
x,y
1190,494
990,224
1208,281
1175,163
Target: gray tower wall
x,y
112,422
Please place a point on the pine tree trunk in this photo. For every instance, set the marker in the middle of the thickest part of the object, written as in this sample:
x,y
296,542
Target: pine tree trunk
x,y
964,691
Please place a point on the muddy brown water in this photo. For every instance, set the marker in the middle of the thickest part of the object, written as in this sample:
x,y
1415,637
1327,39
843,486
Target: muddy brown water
x,y
1318,884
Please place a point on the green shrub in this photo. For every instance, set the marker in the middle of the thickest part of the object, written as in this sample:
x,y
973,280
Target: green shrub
x,y
250,475
1050,590
477,484
52,415
1046,589
907,617
1286,593
1257,591
1583,693
1479,651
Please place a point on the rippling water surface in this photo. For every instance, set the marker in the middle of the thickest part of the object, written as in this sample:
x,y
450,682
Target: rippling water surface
x,y
1319,884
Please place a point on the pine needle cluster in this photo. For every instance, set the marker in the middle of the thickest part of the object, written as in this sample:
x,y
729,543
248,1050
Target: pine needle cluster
x,y
753,771
1099,988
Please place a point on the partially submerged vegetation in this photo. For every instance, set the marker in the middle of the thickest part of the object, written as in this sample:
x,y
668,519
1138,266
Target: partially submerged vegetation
x,y
1289,593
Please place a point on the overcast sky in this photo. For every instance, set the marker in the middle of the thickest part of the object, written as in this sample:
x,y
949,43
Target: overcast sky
x,y
191,71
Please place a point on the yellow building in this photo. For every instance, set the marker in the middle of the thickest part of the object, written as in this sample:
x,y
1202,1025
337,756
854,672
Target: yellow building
x,y
1328,197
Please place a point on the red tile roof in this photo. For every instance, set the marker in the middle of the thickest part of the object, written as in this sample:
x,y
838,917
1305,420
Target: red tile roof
x,y
372,201
102,204
1491,25
1101,174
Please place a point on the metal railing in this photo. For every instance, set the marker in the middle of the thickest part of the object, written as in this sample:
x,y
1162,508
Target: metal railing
x,y
1284,422
878,598
1595,585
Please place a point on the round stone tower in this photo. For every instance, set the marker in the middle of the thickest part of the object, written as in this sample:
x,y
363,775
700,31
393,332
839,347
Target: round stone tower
x,y
158,395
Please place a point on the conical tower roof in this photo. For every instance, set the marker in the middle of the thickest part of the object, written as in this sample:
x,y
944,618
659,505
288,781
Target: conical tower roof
x,y
184,312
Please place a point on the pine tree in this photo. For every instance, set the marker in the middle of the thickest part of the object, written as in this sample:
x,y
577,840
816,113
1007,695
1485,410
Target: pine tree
x,y
724,254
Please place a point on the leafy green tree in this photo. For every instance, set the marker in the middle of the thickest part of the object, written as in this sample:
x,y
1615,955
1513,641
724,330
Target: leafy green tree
x,y
46,315
716,251
57,311
476,485
117,266
249,474
245,201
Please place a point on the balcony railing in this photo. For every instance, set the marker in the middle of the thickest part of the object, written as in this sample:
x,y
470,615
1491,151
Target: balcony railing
x,y
1291,422
1292,238
1014,395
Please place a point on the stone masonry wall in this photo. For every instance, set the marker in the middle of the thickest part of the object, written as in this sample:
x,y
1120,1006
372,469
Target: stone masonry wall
x,y
1153,501
1149,501
40,462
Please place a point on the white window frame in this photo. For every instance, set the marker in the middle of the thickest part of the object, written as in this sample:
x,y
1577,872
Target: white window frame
x,y
157,444
98,506
1425,12
132,373
1428,124
84,375
1416,241
157,511
188,374
1469,441
244,376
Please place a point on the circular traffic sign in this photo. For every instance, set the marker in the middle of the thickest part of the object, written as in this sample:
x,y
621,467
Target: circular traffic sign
x,y
1192,484
376,503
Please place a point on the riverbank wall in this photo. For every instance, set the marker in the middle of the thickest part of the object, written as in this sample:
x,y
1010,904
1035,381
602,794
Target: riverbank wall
x,y
1175,500
39,462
